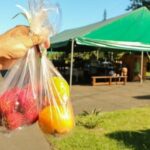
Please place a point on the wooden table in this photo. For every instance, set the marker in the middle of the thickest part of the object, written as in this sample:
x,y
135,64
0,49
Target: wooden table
x,y
109,80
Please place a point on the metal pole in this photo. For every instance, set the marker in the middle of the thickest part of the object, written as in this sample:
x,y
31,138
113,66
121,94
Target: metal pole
x,y
71,63
141,79
97,54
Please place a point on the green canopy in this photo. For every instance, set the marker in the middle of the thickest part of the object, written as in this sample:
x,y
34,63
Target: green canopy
x,y
130,31
63,39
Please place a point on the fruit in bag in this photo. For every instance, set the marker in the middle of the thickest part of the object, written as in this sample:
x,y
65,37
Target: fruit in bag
x,y
13,120
28,105
18,107
60,89
8,101
31,111
56,119
10,118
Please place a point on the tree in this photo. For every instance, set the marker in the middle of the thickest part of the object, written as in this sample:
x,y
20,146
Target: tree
x,y
138,3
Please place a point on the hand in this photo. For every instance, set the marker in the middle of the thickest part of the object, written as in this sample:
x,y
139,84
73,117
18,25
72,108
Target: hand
x,y
15,43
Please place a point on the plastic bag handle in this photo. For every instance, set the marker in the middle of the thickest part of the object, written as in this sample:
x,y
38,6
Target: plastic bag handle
x,y
37,48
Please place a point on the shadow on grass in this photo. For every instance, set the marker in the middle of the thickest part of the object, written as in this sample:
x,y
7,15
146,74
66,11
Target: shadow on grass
x,y
138,140
143,97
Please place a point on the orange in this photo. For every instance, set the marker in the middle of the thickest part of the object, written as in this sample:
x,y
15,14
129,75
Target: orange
x,y
56,119
60,89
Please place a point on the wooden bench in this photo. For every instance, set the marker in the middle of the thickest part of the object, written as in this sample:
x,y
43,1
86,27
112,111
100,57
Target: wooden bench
x,y
109,80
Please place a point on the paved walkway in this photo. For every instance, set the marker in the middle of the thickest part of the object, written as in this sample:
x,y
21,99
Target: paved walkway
x,y
110,98
106,98
30,138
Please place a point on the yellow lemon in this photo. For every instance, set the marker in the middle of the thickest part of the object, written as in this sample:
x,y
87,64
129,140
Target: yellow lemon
x,y
60,89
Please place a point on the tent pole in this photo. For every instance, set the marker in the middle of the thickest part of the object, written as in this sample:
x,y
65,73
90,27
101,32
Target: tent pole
x,y
141,79
97,54
71,63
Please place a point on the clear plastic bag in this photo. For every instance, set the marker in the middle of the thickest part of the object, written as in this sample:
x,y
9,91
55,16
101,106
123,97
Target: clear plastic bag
x,y
33,90
19,92
56,115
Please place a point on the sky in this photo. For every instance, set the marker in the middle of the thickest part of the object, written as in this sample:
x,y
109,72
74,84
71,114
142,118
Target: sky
x,y
74,13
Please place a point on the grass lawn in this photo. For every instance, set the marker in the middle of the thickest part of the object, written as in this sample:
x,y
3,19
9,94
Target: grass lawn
x,y
118,130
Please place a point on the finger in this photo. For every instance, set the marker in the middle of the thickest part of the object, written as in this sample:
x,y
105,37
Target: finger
x,y
47,44
7,63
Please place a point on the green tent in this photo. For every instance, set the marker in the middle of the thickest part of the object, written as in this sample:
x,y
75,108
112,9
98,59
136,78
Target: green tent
x,y
62,40
130,31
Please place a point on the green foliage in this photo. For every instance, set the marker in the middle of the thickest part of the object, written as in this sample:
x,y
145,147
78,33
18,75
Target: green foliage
x,y
147,73
94,112
55,55
89,120
134,4
85,56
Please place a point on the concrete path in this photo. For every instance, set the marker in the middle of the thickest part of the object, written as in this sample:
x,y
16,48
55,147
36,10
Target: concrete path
x,y
29,138
110,98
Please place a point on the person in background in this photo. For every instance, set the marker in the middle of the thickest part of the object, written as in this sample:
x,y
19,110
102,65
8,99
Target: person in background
x,y
15,43
124,71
